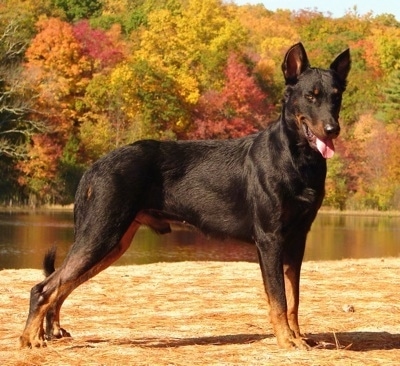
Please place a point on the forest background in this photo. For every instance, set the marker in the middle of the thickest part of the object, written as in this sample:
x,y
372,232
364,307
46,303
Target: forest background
x,y
79,78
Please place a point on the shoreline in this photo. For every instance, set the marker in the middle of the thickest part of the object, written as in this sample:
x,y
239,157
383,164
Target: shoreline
x,y
327,210
323,210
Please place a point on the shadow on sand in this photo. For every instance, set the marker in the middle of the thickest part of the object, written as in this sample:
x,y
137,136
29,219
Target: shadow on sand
x,y
352,341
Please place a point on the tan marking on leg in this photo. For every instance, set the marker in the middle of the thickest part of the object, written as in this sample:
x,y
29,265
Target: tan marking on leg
x,y
33,334
292,299
118,250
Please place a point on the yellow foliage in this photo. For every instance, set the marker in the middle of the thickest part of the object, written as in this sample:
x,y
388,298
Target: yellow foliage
x,y
365,129
386,47
266,68
188,87
182,45
114,6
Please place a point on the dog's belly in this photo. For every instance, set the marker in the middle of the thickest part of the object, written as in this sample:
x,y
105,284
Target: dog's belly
x,y
212,222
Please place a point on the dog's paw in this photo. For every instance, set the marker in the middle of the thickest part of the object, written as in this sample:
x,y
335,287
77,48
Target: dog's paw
x,y
58,334
32,342
293,343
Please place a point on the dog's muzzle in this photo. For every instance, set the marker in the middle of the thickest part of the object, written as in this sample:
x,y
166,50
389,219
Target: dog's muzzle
x,y
323,145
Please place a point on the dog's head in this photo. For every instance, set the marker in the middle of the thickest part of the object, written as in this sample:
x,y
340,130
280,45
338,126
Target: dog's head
x,y
313,97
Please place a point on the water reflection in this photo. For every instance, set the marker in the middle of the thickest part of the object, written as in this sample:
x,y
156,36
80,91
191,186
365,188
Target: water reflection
x,y
353,236
25,237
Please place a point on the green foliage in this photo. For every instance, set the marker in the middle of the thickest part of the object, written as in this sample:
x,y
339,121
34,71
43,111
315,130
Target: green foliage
x,y
9,188
110,118
390,111
133,14
129,22
161,106
336,185
79,9
70,171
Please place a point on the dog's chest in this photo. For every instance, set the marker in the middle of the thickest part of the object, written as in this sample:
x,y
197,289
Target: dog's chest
x,y
304,191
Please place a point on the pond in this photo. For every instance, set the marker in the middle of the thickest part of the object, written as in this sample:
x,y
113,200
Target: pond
x,y
26,236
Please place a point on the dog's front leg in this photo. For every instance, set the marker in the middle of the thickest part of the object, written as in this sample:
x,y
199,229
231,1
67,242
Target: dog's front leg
x,y
270,253
292,277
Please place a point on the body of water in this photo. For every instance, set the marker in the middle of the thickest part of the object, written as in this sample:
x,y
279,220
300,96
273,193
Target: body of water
x,y
26,236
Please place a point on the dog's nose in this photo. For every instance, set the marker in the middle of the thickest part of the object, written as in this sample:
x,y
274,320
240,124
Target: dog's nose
x,y
332,130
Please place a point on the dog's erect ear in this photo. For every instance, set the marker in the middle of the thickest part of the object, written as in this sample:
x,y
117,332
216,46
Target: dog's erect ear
x,y
342,65
295,63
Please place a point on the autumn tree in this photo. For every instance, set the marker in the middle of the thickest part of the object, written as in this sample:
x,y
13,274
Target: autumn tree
x,y
392,173
15,98
191,46
61,63
370,157
40,169
270,36
239,109
385,42
104,49
131,15
382,182
110,119
58,71
134,101
180,54
153,93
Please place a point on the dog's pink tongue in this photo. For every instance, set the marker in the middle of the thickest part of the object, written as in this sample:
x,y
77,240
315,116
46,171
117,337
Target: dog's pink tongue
x,y
326,148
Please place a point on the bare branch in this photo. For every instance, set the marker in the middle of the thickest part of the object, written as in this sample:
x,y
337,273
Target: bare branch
x,y
15,95
12,47
11,150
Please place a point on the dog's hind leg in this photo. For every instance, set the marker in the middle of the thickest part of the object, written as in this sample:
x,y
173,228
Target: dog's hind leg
x,y
53,313
109,197
53,328
48,296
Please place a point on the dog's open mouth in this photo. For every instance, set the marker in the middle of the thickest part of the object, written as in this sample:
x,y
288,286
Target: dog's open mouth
x,y
324,146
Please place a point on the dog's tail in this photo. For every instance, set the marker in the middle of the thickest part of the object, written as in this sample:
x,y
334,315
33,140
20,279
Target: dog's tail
x,y
48,261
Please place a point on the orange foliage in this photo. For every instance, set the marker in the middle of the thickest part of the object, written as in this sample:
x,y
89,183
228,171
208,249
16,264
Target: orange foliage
x,y
371,155
59,72
41,165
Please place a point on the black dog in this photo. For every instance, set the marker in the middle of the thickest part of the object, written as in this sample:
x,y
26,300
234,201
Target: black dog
x,y
264,189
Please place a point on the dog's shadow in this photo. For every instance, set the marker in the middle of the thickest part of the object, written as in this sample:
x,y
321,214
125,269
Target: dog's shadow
x,y
352,341
157,342
358,341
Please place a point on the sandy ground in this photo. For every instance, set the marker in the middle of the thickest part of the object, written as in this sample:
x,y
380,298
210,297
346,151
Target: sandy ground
x,y
211,313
